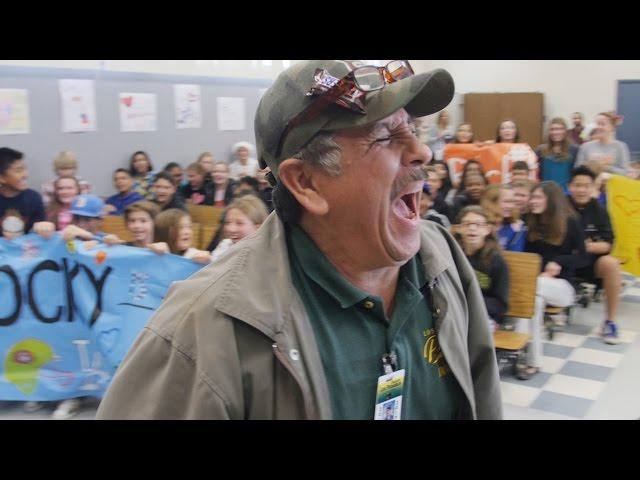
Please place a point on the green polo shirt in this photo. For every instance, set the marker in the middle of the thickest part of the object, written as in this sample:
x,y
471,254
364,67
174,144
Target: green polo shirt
x,y
353,333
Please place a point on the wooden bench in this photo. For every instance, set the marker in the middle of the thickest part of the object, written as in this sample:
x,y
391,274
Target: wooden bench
x,y
205,215
115,225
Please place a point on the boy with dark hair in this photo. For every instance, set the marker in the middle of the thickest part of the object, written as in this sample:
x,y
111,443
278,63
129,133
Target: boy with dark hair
x,y
519,171
124,183
599,241
15,198
165,192
247,184
427,211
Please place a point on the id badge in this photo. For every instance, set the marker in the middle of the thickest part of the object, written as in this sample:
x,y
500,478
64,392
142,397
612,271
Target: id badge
x,y
389,396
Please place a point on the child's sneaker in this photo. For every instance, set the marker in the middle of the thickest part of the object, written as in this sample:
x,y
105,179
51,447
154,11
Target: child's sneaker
x,y
31,406
67,409
610,333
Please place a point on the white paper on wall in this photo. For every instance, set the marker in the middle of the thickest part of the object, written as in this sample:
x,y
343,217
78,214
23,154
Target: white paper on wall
x,y
231,113
14,111
78,105
188,105
138,112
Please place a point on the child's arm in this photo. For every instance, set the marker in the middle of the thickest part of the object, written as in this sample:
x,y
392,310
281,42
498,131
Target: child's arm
x,y
44,229
72,232
160,248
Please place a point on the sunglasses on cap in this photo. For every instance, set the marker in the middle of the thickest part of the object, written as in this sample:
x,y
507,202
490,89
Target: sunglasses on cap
x,y
360,80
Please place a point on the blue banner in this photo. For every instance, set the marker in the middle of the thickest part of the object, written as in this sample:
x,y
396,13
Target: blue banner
x,y
69,315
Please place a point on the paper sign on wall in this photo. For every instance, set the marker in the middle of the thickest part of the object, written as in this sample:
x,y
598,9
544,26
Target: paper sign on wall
x,y
14,111
138,112
78,105
188,106
230,113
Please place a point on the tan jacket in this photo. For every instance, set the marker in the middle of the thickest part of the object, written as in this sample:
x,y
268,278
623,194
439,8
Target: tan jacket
x,y
234,340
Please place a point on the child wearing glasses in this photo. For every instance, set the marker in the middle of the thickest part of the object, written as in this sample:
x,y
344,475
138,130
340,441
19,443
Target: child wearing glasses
x,y
475,235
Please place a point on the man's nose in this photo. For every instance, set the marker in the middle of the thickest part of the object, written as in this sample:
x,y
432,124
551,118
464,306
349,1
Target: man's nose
x,y
416,154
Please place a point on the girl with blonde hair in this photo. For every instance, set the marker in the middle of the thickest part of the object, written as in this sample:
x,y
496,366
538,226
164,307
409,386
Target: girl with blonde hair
x,y
241,218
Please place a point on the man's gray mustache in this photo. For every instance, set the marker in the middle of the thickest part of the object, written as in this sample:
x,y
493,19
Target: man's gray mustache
x,y
414,175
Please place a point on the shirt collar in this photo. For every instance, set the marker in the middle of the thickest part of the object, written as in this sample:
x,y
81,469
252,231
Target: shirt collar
x,y
318,268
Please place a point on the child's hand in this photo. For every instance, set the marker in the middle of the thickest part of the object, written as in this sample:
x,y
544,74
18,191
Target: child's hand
x,y
72,232
202,257
160,248
44,229
108,208
112,239
90,244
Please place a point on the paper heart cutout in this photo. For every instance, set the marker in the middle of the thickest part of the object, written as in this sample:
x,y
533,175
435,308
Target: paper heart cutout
x,y
107,339
128,101
628,206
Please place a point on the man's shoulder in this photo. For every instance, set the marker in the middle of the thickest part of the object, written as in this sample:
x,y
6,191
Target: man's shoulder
x,y
437,245
189,309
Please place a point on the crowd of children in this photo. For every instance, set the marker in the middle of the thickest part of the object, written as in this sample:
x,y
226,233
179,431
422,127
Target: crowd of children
x,y
152,204
561,218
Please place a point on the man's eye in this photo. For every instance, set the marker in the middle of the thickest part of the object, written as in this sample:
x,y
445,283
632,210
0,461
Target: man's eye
x,y
385,139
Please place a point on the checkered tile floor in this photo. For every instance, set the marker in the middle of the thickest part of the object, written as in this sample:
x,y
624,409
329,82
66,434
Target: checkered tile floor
x,y
576,366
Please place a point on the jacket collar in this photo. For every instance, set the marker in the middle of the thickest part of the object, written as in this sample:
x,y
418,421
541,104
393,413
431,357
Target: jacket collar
x,y
259,288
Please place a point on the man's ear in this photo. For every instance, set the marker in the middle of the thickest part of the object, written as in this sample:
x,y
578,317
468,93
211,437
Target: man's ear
x,y
300,182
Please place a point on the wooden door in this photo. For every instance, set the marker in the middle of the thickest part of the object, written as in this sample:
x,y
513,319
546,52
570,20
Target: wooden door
x,y
486,110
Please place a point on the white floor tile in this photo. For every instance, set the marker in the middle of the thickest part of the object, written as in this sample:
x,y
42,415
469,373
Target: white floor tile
x,y
511,412
567,339
596,357
632,292
552,364
574,386
518,395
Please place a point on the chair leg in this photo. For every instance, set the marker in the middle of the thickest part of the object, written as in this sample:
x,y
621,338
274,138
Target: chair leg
x,y
549,325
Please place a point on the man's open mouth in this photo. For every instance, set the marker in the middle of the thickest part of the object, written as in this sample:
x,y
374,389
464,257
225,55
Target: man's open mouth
x,y
406,206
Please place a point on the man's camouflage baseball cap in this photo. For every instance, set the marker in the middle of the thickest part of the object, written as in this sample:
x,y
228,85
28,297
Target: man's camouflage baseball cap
x,y
421,94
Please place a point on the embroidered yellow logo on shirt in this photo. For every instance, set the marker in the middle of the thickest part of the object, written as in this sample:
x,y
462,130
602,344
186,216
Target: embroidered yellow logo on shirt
x,y
484,280
433,353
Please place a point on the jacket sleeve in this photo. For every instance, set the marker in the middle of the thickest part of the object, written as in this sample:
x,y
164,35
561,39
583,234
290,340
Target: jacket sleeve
x,y
573,155
39,214
482,354
578,258
621,164
604,226
538,152
156,381
497,300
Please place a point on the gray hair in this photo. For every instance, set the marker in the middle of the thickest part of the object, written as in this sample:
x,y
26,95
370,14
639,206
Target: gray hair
x,y
322,152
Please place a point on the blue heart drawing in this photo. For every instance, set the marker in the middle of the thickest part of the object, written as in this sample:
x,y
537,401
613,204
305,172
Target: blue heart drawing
x,y
108,339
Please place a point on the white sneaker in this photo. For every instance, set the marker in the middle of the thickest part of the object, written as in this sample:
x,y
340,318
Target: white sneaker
x,y
67,409
30,407
560,320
